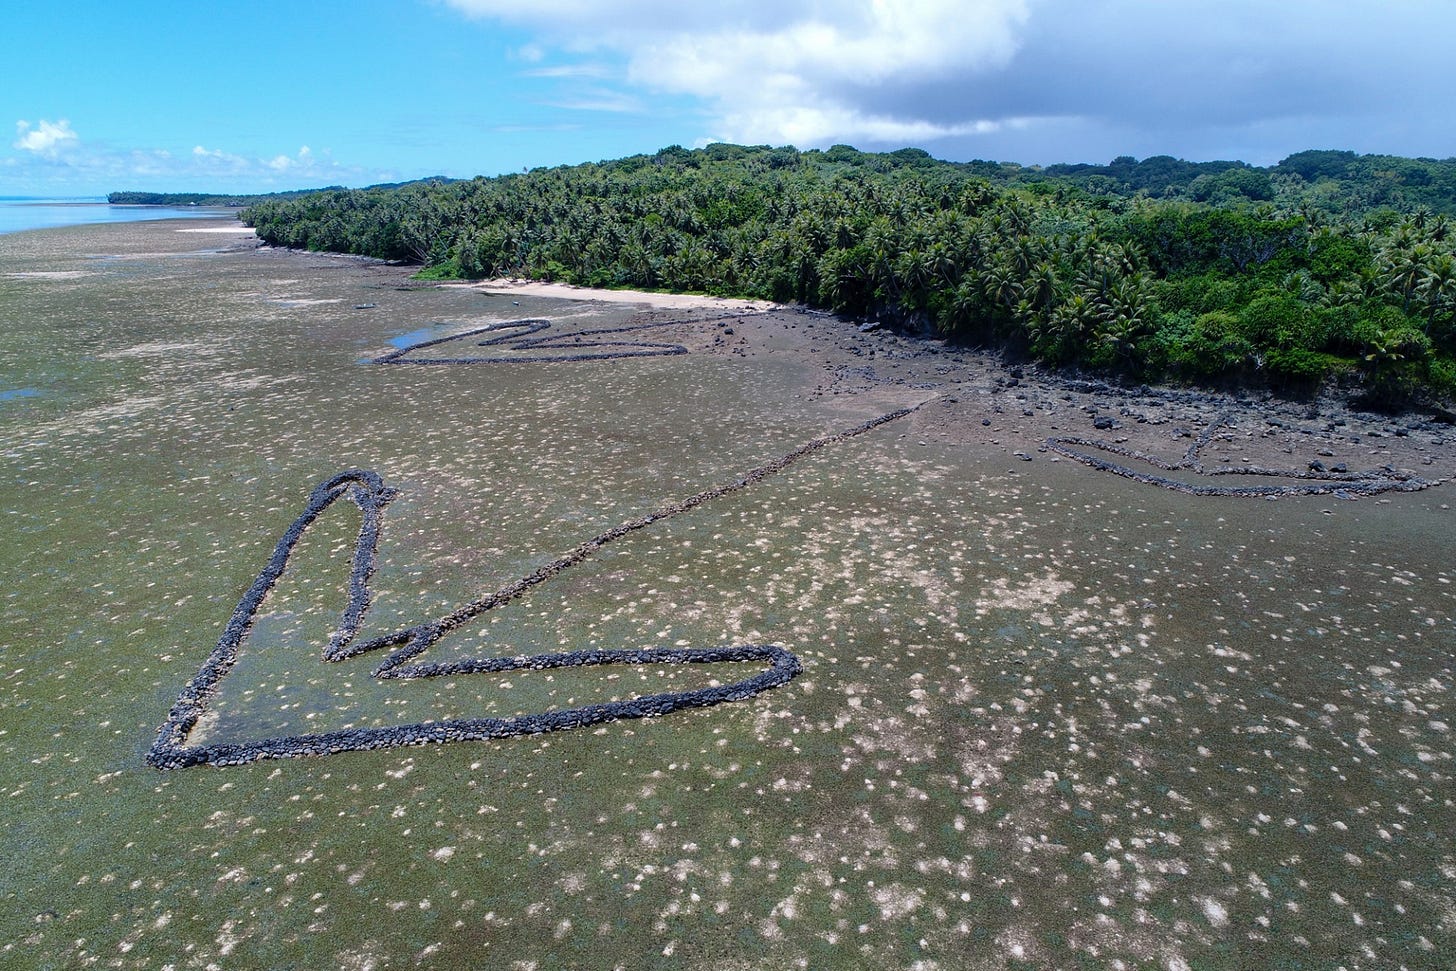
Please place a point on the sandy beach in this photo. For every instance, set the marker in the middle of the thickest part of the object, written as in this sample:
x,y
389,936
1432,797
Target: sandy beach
x,y
221,230
661,301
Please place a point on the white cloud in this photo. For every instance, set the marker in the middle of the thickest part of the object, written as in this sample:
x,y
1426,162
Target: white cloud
x,y
787,70
597,99
597,71
1035,80
303,161
45,138
93,168
214,156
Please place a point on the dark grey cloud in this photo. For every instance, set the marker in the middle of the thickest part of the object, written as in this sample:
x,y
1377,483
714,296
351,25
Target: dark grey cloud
x,y
1032,80
1200,79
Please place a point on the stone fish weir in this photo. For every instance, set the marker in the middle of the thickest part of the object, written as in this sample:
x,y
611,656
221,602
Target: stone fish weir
x,y
1318,480
515,336
366,489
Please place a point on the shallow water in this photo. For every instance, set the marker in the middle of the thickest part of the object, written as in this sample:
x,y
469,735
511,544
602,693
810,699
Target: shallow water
x,y
414,337
1048,718
19,215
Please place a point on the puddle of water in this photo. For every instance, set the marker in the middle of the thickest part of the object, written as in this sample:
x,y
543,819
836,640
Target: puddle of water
x,y
418,336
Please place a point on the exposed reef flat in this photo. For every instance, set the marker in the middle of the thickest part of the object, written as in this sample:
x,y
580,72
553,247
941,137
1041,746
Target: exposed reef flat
x,y
1046,714
174,748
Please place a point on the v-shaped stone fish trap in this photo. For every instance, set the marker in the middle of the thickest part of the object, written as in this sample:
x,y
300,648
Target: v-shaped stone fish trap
x,y
367,490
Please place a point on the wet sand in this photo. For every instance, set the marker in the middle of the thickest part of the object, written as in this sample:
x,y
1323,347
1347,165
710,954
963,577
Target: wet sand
x,y
1047,716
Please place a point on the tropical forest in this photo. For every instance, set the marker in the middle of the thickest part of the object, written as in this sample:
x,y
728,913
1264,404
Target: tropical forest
x,y
1329,269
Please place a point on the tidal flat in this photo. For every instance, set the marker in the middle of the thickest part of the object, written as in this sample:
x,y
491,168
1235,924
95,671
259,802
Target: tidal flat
x,y
1048,717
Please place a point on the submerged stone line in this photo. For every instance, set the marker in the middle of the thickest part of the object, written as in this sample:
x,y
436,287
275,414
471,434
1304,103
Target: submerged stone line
x,y
367,490
1346,485
516,335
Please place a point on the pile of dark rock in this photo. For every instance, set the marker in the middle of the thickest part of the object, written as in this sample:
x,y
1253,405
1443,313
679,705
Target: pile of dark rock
x,y
1316,478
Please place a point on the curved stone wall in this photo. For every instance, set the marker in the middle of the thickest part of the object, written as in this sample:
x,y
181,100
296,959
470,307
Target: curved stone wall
x,y
515,335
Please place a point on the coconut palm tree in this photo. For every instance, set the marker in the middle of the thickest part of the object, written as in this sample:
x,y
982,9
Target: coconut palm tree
x,y
1042,286
964,309
1438,287
1003,285
1405,269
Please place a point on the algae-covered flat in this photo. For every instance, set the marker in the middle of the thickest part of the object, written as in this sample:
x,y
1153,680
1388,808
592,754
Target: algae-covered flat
x,y
1046,714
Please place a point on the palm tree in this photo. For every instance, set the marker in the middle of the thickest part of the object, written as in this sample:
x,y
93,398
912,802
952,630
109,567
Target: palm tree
x,y
1438,286
945,269
1121,335
1062,333
1341,292
1312,217
964,307
1003,286
1387,350
1041,289
1405,269
1302,285
916,272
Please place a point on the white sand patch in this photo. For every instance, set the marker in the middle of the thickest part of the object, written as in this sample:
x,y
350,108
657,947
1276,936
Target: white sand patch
x,y
160,349
238,382
231,230
206,723
92,418
897,901
47,274
1034,593
666,301
364,958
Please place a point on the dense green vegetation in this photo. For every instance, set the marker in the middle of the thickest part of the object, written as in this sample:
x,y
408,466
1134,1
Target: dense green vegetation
x,y
234,200
192,198
1326,266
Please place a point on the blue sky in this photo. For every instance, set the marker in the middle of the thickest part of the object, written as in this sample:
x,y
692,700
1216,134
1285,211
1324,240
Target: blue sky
x,y
236,97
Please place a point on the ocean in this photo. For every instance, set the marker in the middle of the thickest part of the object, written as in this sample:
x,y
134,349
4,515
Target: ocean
x,y
18,213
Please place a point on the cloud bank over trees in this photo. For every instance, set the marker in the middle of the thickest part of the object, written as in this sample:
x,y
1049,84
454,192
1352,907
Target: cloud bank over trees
x,y
1033,80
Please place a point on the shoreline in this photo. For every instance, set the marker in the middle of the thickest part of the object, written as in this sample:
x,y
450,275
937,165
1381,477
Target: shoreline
x,y
970,397
1258,445
979,400
673,301
567,291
